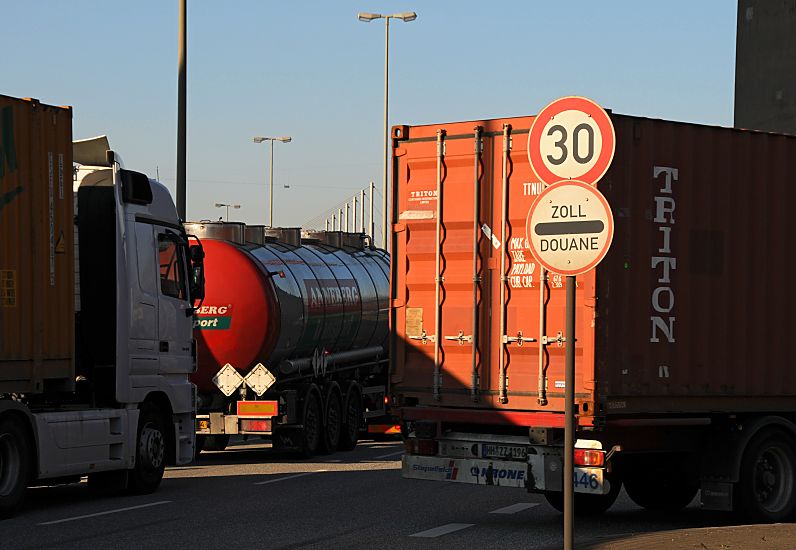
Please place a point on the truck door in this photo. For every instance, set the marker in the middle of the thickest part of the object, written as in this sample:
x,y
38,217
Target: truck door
x,y
175,334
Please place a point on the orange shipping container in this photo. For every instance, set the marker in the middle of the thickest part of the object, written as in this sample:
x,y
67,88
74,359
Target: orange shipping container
x,y
37,254
690,312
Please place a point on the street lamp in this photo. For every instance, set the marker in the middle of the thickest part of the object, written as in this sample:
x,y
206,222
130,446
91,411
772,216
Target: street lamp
x,y
227,206
367,18
260,139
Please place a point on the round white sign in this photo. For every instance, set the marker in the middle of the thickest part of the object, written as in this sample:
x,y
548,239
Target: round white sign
x,y
570,227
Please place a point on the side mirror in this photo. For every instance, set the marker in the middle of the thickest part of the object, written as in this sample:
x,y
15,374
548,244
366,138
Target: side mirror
x,y
197,255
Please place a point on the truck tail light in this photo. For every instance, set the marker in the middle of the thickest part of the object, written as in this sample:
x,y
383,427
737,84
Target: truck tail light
x,y
424,447
251,425
589,457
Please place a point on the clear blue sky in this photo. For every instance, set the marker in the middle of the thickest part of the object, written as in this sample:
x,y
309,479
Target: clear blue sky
x,y
310,70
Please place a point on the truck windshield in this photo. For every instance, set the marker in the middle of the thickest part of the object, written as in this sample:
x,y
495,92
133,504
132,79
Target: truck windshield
x,y
172,270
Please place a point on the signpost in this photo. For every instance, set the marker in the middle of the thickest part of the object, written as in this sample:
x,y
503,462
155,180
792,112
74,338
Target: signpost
x,y
570,226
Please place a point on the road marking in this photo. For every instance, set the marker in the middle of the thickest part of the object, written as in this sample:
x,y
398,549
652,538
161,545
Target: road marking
x,y
514,508
442,530
106,512
390,454
266,482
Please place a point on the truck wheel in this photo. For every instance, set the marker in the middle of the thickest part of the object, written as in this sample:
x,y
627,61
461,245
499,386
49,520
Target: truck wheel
x,y
313,425
660,497
662,485
104,484
333,414
352,417
766,489
150,455
215,442
15,458
586,504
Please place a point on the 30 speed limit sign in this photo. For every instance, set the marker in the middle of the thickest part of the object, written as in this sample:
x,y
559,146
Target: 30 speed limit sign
x,y
571,139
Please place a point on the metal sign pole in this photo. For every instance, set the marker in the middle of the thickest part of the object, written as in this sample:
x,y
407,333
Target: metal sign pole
x,y
569,420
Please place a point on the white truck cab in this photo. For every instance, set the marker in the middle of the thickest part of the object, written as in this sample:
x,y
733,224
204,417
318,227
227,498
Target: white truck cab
x,y
128,408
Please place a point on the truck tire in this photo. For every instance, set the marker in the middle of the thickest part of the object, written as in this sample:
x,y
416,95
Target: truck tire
x,y
352,418
673,489
15,460
150,453
766,492
215,442
104,484
333,423
586,504
312,422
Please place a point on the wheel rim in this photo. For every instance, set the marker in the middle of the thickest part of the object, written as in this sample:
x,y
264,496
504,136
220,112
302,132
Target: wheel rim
x,y
10,464
152,448
773,480
333,420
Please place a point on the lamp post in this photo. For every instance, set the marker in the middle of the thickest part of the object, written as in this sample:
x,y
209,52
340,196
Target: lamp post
x,y
367,18
227,206
260,139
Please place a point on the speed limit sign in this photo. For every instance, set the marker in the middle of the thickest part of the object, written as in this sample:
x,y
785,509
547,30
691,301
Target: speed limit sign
x,y
571,139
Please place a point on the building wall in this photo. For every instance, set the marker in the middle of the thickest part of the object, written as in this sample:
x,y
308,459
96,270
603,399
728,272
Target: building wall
x,y
765,66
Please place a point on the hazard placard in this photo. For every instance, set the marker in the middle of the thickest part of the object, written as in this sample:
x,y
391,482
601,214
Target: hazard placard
x,y
570,227
571,138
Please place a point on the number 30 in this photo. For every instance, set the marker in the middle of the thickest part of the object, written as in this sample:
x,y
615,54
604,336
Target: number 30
x,y
562,144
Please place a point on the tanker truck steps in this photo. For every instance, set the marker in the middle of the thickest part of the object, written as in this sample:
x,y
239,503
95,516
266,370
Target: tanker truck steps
x,y
291,337
97,292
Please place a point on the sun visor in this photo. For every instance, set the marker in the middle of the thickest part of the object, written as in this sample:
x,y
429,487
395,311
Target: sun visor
x,y
92,151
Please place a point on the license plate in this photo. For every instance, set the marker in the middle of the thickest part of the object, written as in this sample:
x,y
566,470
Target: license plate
x,y
504,451
589,480
204,424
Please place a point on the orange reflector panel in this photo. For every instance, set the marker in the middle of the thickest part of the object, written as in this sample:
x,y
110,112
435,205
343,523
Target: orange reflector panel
x,y
257,408
251,425
384,429
589,457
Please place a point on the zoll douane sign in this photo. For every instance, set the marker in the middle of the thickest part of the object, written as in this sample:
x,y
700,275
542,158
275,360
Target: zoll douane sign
x,y
570,227
571,139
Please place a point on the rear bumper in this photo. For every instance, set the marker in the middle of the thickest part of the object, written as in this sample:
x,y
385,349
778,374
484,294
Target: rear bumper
x,y
232,424
541,473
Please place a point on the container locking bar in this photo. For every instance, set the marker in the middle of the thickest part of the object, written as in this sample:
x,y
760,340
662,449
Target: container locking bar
x,y
437,266
479,150
504,212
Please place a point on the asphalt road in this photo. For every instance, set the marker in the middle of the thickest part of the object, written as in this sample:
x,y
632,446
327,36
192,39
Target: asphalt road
x,y
251,497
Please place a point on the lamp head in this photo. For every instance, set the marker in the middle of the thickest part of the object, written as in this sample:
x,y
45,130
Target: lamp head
x,y
406,16
368,17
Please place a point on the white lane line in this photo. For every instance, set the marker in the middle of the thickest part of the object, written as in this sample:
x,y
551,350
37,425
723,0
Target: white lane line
x,y
76,518
514,508
442,530
266,482
390,454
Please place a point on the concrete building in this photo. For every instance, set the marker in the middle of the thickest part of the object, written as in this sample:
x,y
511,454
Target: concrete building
x,y
765,66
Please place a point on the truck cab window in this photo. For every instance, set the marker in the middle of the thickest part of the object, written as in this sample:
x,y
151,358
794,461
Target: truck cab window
x,y
172,270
